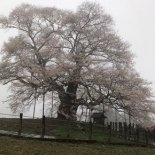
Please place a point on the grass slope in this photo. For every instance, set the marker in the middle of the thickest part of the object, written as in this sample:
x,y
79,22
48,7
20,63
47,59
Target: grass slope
x,y
12,146
58,129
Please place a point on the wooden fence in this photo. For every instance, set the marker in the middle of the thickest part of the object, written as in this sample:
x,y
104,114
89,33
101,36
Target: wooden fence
x,y
112,132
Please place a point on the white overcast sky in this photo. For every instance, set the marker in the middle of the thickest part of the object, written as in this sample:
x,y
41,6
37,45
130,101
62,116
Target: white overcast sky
x,y
135,23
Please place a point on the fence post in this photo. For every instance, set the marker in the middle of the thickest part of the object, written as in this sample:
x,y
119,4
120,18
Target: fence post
x,y
130,132
137,134
110,132
103,126
43,127
68,128
126,132
116,126
90,130
120,129
147,138
113,126
153,132
20,124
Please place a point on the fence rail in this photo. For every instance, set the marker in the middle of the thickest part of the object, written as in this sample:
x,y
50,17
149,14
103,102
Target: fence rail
x,y
113,132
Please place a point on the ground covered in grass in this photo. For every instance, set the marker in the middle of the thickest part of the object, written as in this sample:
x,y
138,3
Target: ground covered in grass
x,y
13,146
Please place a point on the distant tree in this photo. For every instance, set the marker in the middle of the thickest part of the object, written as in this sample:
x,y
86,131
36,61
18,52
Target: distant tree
x,y
73,54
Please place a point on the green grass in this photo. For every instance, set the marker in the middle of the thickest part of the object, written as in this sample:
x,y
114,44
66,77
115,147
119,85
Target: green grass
x,y
13,146
58,129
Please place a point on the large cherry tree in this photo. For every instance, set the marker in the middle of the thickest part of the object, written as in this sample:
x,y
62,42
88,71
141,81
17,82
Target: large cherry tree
x,y
73,54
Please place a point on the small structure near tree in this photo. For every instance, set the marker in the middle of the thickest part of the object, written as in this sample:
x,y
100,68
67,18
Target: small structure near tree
x,y
98,118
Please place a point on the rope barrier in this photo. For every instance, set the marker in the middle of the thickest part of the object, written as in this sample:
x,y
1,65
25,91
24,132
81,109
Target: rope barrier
x,y
31,123
24,116
9,114
31,117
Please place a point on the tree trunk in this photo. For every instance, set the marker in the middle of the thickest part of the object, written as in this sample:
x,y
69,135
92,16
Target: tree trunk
x,y
68,105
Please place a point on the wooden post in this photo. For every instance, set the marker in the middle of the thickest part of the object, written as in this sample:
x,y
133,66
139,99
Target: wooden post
x,y
43,127
116,126
137,135
90,130
153,132
20,124
103,126
110,132
68,128
132,131
146,136
126,132
120,129
35,101
113,126
103,116
130,134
